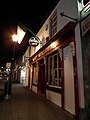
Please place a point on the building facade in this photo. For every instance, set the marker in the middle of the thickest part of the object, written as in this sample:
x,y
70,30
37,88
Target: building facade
x,y
59,66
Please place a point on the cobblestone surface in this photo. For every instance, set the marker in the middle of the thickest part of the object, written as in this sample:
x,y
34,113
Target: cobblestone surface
x,y
24,104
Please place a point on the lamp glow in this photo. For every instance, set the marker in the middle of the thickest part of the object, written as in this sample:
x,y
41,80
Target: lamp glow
x,y
14,37
53,45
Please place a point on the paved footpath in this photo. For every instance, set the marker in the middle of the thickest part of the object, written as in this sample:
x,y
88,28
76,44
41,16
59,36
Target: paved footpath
x,y
27,105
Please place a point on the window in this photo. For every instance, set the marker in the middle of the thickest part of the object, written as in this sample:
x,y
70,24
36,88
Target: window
x,y
35,74
53,24
47,39
54,70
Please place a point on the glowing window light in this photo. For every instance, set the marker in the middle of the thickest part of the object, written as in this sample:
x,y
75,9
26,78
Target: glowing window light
x,y
14,37
53,45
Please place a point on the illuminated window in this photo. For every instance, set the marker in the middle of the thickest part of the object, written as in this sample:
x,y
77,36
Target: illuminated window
x,y
35,74
54,70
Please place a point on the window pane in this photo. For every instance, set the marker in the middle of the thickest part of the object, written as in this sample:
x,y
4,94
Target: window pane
x,y
54,24
59,73
35,74
55,74
55,61
54,68
50,63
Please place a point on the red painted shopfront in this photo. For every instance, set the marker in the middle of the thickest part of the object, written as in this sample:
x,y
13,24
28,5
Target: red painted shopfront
x,y
55,68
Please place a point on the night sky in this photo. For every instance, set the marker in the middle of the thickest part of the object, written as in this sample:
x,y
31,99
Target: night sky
x,y
32,13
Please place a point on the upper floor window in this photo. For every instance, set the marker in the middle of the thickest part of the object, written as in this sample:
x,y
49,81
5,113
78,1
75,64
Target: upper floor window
x,y
53,24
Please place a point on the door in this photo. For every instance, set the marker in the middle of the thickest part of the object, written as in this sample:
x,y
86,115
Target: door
x,y
41,80
69,94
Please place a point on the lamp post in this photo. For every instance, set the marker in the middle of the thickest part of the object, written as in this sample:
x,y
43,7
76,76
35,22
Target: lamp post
x,y
8,84
15,40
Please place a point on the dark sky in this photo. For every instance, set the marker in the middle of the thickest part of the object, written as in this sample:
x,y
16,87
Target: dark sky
x,y
32,13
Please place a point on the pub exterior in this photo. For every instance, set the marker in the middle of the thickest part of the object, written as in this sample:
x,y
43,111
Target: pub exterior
x,y
56,65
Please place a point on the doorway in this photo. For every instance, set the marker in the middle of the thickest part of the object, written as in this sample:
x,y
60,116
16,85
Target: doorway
x,y
69,93
41,79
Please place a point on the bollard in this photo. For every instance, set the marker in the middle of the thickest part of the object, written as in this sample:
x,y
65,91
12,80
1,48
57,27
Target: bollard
x,y
7,95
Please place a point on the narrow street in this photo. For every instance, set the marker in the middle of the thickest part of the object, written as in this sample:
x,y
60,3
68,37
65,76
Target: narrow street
x,y
27,105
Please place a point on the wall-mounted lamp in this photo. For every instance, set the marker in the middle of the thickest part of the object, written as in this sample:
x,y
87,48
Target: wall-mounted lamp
x,y
75,19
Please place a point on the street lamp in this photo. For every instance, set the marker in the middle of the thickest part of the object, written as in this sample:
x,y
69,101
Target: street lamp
x,y
8,84
15,39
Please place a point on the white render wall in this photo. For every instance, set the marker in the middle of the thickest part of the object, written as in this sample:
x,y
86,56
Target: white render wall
x,y
54,97
34,88
69,8
27,73
79,65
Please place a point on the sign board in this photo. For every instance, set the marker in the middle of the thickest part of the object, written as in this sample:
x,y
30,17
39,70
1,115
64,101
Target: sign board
x,y
8,65
85,25
84,8
34,41
85,2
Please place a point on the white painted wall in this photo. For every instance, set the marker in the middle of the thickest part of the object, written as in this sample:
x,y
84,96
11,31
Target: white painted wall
x,y
23,75
27,73
69,7
69,93
79,65
72,9
34,88
30,77
54,97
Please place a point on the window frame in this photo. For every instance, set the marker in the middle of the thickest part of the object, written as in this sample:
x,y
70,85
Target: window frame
x,y
55,82
53,24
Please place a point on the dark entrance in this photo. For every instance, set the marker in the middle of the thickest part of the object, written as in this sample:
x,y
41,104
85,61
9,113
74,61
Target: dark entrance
x,y
41,78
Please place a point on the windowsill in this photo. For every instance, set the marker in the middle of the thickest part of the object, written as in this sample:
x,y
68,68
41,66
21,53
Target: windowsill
x,y
34,84
54,88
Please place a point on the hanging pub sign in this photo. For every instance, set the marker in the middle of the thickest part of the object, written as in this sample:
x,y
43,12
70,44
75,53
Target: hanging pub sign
x,y
34,41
